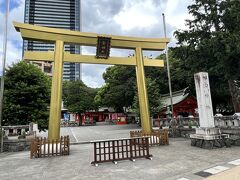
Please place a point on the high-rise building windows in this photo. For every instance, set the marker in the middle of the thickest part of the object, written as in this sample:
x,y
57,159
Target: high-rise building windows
x,y
64,14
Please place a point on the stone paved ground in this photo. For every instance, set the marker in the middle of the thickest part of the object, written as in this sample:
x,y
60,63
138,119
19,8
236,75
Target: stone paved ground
x,y
90,133
178,160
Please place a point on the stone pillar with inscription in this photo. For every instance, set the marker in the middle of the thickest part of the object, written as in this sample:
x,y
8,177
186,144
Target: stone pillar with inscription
x,y
207,136
204,100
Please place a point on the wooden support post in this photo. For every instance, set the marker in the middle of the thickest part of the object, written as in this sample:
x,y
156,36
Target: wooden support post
x,y
142,92
56,92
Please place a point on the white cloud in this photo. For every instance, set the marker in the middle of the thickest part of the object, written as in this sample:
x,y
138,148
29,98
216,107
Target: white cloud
x,y
144,14
176,13
92,74
136,15
14,41
14,54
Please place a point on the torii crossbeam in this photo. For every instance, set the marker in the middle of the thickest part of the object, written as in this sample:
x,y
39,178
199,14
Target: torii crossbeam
x,y
61,37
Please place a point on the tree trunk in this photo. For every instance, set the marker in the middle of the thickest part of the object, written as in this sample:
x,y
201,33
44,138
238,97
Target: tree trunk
x,y
235,94
80,119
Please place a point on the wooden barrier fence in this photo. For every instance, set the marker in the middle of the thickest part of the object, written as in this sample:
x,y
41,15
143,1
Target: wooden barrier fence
x,y
157,137
42,147
120,149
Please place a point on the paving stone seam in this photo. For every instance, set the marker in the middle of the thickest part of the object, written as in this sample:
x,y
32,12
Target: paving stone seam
x,y
218,169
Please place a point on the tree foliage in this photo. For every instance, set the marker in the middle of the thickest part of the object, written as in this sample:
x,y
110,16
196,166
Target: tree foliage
x,y
154,99
179,76
212,44
77,97
26,96
119,89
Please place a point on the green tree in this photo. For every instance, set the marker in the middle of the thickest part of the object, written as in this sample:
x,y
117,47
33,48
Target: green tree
x,y
119,89
99,98
77,97
26,96
180,77
212,43
154,99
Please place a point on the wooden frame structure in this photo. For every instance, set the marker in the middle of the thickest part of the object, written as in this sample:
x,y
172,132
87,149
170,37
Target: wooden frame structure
x,y
156,137
42,147
114,150
61,37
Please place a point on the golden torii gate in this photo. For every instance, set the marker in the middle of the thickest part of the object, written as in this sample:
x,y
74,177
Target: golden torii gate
x,y
61,37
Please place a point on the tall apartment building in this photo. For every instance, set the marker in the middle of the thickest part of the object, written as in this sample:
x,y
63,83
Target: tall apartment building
x,y
64,14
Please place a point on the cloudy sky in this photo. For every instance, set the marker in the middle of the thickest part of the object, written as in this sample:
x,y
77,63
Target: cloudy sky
x,y
142,18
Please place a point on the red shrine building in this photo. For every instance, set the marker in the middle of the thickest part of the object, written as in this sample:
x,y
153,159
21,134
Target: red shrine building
x,y
104,114
184,104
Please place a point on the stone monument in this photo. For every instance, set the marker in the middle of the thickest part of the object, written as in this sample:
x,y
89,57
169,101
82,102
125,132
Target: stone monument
x,y
207,136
